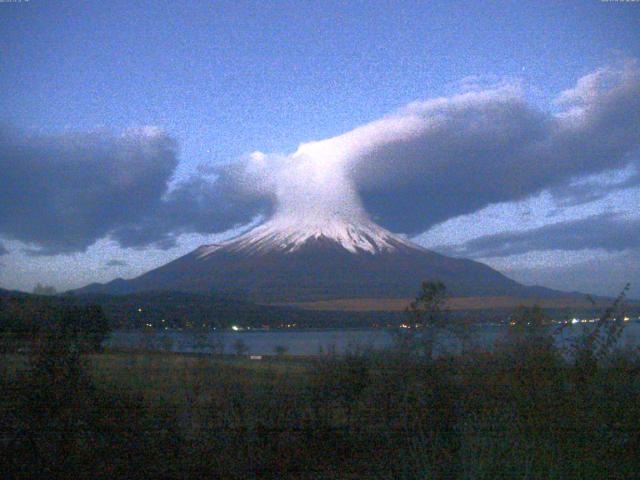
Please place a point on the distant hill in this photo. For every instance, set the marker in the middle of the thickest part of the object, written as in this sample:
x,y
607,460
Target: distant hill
x,y
12,293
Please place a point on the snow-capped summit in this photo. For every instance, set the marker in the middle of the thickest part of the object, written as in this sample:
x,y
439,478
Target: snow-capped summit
x,y
287,236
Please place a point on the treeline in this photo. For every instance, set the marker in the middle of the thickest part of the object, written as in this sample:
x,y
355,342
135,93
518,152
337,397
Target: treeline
x,y
26,319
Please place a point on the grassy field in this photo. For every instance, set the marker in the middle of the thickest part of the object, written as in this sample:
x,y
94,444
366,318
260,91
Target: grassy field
x,y
168,377
521,412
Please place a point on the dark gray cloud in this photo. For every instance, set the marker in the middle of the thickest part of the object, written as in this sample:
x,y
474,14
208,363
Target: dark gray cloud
x,y
490,147
116,263
196,205
62,193
3,250
596,188
612,233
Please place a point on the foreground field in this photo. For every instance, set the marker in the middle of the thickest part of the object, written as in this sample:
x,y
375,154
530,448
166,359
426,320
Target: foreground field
x,y
521,412
166,378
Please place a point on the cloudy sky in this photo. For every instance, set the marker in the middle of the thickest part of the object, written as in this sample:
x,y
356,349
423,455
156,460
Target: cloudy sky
x,y
132,132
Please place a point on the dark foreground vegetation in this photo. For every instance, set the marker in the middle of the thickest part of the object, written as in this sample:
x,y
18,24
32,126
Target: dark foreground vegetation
x,y
526,410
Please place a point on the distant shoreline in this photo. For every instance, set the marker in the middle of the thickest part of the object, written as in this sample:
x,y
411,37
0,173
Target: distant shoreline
x,y
454,303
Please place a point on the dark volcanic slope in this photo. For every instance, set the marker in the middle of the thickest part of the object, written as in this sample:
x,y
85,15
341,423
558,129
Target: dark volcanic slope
x,y
319,268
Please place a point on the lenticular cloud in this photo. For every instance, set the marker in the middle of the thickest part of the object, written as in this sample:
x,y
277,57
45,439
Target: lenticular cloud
x,y
449,156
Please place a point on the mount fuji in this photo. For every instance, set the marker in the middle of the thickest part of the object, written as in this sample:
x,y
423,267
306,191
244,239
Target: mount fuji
x,y
296,260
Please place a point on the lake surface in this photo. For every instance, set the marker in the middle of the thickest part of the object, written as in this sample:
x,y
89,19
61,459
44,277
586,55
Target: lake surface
x,y
314,342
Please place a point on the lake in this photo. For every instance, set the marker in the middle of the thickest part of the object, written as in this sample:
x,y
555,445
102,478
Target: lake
x,y
314,342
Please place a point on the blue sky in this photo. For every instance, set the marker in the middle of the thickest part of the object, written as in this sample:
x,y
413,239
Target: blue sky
x,y
224,79
232,77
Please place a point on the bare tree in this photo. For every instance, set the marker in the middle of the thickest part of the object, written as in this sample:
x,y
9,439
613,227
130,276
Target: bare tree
x,y
240,347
